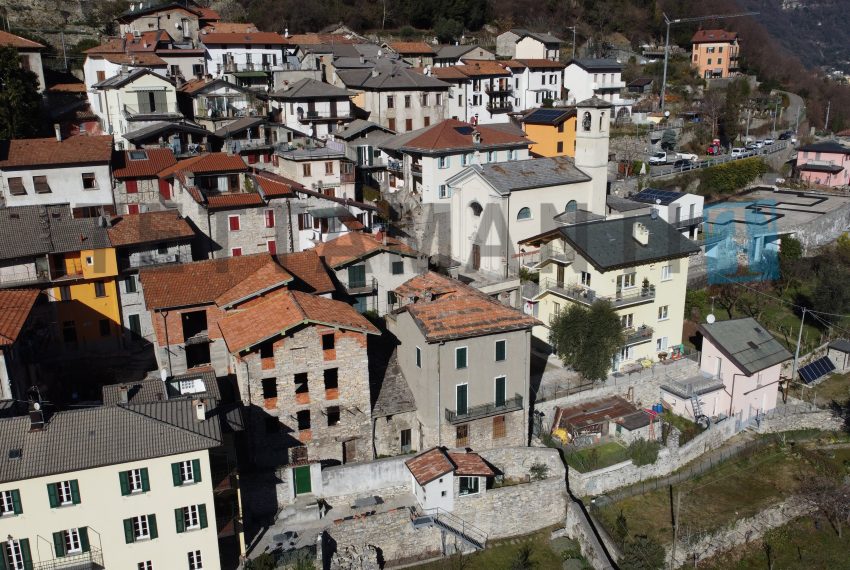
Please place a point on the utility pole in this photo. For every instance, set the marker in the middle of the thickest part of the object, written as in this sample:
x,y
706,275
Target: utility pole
x,y
573,28
64,53
826,124
747,136
775,112
797,351
675,530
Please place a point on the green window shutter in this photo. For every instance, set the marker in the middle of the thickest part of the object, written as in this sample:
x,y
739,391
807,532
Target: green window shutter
x,y
461,400
84,538
59,543
124,479
196,470
152,526
146,484
129,535
53,495
501,391
2,557
179,520
25,552
16,502
75,492
175,473
500,350
202,514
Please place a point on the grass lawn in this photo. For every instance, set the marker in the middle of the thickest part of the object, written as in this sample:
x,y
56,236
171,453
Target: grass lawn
x,y
597,456
836,387
501,554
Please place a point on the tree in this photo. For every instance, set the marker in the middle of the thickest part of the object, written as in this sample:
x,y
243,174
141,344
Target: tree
x,y
832,292
642,553
448,30
587,339
668,139
20,102
523,560
621,530
831,497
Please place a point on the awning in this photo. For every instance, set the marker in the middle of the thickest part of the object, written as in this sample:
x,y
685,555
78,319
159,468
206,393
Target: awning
x,y
250,74
332,212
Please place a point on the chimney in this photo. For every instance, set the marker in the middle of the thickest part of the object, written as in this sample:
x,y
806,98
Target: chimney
x,y
58,130
123,394
374,72
36,416
286,33
200,409
362,58
476,136
641,233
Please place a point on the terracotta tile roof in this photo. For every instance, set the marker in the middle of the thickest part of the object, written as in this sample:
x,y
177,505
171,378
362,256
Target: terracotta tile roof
x,y
234,200
413,48
50,152
135,59
712,36
15,307
452,134
7,39
230,28
195,84
111,45
268,277
449,73
149,227
67,88
318,39
352,223
274,186
209,163
429,465
206,13
470,464
478,67
541,64
307,267
253,38
146,41
353,246
199,282
247,327
444,309
156,160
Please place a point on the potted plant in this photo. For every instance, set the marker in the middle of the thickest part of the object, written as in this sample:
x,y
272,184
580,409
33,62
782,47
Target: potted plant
x,y
645,287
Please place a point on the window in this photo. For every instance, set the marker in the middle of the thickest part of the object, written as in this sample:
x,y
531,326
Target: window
x,y
130,284
460,357
307,170
499,430
719,61
233,223
524,213
663,312
426,121
303,419
89,181
560,148
329,167
271,246
193,517
135,325
390,102
10,503
626,281
418,357
492,156
626,321
397,267
666,272
71,541
40,184
134,481
235,252
424,99
333,415
105,327
462,436
63,494
328,341
186,472
142,527
501,350
301,387
331,380
627,353
407,101
585,278
99,289
439,99
65,293
269,388
17,554
709,61
465,159
444,191
408,125
16,186
147,565
469,486
661,343
501,391
391,124
269,218
195,562
462,399
356,276
511,155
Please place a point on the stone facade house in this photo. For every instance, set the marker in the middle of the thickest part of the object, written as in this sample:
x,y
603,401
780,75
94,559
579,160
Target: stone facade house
x,y
249,137
313,107
138,187
182,21
519,43
302,367
465,357
324,169
213,102
441,477
417,54
448,55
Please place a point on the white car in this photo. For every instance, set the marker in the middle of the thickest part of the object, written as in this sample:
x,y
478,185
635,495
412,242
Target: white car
x,y
688,156
738,152
759,144
658,158
768,142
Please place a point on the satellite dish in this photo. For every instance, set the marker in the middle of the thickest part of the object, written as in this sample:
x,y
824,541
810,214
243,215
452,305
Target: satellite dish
x,y
710,319
36,406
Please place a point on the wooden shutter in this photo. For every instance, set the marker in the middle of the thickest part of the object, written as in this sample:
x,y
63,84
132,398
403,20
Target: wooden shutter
x,y
52,495
160,102
124,480
202,514
501,390
84,538
25,553
179,520
75,492
154,532
131,186
175,474
146,484
129,535
272,247
461,400
196,470
59,543
144,99
269,218
16,502
132,209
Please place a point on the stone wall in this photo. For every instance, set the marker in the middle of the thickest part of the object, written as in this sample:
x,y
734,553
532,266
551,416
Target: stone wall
x,y
387,433
578,528
365,478
482,434
822,420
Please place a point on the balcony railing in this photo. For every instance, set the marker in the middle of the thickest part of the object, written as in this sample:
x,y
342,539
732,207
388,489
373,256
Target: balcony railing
x,y
347,178
546,253
694,386
587,296
91,560
232,67
361,287
687,222
484,410
131,112
498,89
637,335
500,107
315,116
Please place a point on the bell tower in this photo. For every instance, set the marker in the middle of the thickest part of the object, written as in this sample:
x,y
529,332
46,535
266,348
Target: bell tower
x,y
593,129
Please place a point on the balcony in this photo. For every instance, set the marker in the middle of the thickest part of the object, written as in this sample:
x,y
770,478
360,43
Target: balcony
x,y
693,386
320,116
496,107
499,90
587,296
637,335
547,253
91,560
395,165
347,178
164,113
362,287
484,410
688,222
608,85
233,67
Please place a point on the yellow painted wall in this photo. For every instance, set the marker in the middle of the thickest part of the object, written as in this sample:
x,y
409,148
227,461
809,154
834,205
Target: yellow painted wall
x,y
546,138
84,307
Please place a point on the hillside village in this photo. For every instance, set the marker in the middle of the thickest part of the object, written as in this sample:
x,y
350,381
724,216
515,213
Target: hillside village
x,y
311,300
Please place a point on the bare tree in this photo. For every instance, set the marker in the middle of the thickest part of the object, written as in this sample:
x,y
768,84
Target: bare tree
x,y
831,498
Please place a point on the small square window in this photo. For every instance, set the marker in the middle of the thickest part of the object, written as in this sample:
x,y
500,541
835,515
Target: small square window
x,y
89,181
99,289
398,267
333,415
16,186
328,341
40,184
236,252
233,223
269,388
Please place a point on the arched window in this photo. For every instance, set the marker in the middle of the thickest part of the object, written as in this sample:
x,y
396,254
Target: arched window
x,y
476,209
585,121
572,206
601,118
524,214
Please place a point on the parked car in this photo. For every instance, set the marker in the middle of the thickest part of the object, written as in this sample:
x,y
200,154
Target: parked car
x,y
786,136
738,152
769,141
751,146
759,144
658,158
683,163
688,156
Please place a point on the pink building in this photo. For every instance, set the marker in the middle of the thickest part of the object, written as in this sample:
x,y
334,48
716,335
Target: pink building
x,y
739,373
825,163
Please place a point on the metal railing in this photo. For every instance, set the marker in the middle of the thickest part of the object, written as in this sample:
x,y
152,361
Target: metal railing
x,y
637,335
547,252
588,296
452,524
692,387
360,287
694,221
91,560
169,109
497,89
662,170
232,67
484,410
500,106
309,116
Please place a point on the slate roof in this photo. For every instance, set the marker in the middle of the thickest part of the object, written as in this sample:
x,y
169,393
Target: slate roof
x,y
210,163
511,176
830,168
354,246
155,390
640,82
157,160
595,103
825,146
712,36
621,204
49,152
27,231
390,76
7,39
241,125
96,437
311,89
841,345
454,135
149,227
358,126
122,79
282,311
445,309
746,343
592,64
545,38
453,51
318,39
15,307
195,85
609,244
541,64
161,128
429,465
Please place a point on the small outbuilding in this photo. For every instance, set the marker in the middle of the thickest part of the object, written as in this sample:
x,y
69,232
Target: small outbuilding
x,y
600,418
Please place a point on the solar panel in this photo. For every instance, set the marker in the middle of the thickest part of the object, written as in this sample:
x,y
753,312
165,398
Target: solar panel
x,y
650,195
817,369
545,114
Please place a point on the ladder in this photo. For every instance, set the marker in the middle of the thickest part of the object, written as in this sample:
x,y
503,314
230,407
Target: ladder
x,y
697,407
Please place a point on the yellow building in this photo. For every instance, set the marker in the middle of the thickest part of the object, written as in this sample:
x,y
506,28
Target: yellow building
x,y
639,264
552,130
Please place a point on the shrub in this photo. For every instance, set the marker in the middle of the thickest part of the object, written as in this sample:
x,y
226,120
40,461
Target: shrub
x,y
539,471
406,32
644,452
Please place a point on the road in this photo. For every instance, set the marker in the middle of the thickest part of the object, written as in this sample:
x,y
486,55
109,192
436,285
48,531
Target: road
x,y
795,102
659,171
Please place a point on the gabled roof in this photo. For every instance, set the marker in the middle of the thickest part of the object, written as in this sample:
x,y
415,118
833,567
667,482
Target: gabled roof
x,y
230,27
203,385
7,39
545,38
541,64
163,128
640,82
122,79
389,76
412,48
470,464
272,185
746,343
137,60
833,147
15,307
429,465
241,125
252,38
50,153
218,281
591,64
309,272
27,231
101,436
312,39
482,67
511,176
358,126
149,227
210,163
554,116
311,89
246,327
152,8
354,246
445,309
456,52
713,36
196,85
454,135
143,163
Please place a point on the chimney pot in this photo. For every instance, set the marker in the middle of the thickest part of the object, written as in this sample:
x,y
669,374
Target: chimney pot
x,y
57,128
200,409
123,394
640,233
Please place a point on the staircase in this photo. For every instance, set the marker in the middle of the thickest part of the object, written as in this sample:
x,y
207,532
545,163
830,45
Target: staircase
x,y
448,523
697,407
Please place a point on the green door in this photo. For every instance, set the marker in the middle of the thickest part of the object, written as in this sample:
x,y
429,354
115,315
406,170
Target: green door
x,y
302,480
